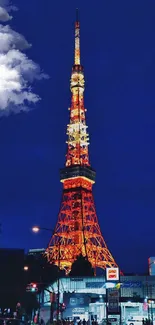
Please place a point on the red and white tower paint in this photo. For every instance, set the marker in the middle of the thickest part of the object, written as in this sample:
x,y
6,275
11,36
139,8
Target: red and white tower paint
x,y
77,230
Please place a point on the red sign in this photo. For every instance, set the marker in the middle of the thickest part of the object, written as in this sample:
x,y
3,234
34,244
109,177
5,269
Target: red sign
x,y
112,273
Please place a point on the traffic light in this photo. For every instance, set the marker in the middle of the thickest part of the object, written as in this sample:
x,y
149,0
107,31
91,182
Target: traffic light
x,y
32,287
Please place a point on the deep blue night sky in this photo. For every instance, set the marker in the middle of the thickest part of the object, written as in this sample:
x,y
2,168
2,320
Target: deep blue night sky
x,y
118,54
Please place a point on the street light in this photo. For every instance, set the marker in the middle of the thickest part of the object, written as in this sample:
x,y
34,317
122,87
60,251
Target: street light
x,y
26,268
36,229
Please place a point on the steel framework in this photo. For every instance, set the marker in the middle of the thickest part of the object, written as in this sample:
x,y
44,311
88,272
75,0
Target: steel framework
x,y
77,230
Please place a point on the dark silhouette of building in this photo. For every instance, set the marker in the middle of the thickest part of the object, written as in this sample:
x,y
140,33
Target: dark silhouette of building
x,y
11,276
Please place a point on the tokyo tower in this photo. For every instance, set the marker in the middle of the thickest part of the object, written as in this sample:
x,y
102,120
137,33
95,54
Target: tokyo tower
x,y
77,230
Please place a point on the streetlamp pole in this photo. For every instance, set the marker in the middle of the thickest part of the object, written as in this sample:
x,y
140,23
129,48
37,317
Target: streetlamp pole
x,y
36,229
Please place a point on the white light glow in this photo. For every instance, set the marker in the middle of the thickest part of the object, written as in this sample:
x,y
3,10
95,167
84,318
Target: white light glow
x,y
35,229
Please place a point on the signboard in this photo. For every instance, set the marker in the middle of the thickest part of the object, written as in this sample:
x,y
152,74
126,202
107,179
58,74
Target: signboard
x,y
78,311
76,304
113,301
96,284
112,274
76,300
131,284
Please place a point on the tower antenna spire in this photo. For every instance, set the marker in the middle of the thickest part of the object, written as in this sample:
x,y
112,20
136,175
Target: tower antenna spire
x,y
77,39
77,14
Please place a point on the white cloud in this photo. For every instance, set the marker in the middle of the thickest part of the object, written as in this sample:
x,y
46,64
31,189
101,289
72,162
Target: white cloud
x,y
10,39
4,16
17,71
5,8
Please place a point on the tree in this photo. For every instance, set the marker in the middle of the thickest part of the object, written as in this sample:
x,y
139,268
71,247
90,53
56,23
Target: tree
x,y
29,302
41,271
81,267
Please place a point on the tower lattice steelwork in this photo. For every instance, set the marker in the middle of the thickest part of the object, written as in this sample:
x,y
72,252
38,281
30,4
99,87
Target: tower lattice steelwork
x,y
77,230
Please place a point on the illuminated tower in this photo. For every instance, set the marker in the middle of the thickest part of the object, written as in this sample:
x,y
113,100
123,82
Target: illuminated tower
x,y
77,230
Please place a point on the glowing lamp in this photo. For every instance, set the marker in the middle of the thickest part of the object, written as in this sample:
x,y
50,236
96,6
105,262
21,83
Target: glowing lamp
x,y
34,285
26,268
35,229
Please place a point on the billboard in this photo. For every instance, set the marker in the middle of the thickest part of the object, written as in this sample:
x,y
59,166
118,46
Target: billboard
x,y
113,301
77,304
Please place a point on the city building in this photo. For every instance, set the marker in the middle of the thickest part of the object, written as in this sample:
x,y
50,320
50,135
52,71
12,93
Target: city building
x,y
36,252
86,297
11,276
151,265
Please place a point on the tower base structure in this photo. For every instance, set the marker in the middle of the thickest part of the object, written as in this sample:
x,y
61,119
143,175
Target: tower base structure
x,y
77,230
